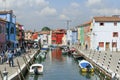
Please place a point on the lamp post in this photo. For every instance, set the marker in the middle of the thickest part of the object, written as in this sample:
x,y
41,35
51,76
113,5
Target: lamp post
x,y
68,41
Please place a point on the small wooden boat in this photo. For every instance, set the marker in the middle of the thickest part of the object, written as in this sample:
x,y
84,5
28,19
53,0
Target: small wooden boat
x,y
36,69
86,66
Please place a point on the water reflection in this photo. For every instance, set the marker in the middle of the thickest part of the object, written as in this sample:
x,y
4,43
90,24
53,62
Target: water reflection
x,y
57,54
61,67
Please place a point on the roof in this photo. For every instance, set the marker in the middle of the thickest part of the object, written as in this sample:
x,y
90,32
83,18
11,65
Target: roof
x,y
6,12
85,24
44,32
107,19
59,31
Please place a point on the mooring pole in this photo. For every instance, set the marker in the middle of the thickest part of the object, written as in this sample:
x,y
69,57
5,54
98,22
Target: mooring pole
x,y
5,74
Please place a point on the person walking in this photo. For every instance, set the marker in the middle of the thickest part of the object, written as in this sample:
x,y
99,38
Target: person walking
x,y
10,58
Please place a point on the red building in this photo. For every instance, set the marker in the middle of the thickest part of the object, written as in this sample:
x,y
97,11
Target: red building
x,y
57,36
20,34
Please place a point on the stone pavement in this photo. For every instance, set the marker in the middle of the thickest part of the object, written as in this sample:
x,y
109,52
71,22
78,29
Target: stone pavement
x,y
107,60
13,70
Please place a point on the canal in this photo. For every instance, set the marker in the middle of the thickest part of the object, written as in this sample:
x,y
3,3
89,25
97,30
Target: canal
x,y
61,67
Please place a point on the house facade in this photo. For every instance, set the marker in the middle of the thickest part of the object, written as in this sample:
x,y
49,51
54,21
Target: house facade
x,y
10,28
28,35
57,36
2,35
20,34
85,34
43,36
106,33
74,36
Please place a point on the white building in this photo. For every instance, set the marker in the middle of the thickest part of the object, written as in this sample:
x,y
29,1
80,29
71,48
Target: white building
x,y
44,37
106,33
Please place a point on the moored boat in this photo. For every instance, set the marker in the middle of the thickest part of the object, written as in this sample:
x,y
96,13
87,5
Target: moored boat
x,y
45,47
86,66
36,69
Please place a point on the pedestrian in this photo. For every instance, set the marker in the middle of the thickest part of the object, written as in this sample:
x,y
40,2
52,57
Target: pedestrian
x,y
97,48
2,58
10,58
86,46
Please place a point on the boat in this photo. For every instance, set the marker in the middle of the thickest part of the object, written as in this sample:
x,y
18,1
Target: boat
x,y
72,50
45,47
86,66
36,69
64,52
42,54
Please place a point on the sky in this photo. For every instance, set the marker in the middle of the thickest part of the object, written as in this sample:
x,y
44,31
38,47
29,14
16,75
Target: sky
x,y
36,14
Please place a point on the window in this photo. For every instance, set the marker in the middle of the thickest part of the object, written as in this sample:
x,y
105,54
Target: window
x,y
115,34
115,23
101,44
12,30
101,24
114,44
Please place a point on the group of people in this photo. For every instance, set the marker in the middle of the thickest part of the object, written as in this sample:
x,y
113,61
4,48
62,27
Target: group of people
x,y
7,56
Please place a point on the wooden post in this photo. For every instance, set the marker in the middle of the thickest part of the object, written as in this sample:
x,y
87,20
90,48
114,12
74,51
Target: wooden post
x,y
1,75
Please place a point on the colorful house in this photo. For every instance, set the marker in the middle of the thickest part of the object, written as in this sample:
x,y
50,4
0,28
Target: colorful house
x,y
44,37
106,33
85,34
28,35
11,28
2,35
20,35
57,36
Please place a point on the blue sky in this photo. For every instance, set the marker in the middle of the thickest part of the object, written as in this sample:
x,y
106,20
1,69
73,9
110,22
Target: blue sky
x,y
35,14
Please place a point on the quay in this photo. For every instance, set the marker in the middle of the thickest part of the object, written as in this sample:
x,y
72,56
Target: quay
x,y
107,62
20,66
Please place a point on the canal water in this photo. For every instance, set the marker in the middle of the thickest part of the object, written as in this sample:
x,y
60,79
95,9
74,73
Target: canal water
x,y
61,67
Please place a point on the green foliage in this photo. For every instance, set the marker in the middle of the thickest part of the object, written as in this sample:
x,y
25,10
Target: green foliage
x,y
45,29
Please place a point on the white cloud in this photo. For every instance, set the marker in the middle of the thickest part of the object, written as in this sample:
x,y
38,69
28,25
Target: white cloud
x,y
93,2
107,11
74,4
48,11
22,3
41,2
63,17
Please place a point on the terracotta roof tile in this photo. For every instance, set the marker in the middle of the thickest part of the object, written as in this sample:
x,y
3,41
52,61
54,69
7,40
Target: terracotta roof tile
x,y
107,19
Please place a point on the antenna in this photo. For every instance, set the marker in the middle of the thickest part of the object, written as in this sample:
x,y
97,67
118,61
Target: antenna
x,y
68,22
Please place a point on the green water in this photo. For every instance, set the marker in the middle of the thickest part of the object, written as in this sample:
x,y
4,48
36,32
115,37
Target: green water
x,y
61,67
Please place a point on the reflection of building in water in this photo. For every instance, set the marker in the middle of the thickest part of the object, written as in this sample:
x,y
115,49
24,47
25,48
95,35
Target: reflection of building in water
x,y
57,54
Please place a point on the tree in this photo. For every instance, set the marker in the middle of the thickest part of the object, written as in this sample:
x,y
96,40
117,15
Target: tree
x,y
45,29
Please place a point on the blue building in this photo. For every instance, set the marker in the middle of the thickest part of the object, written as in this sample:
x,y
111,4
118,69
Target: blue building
x,y
10,28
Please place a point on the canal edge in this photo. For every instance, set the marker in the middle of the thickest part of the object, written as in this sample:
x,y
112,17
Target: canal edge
x,y
23,67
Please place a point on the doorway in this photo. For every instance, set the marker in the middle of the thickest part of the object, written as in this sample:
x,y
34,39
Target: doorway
x,y
107,48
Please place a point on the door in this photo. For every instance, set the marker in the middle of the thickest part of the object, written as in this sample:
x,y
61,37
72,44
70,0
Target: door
x,y
107,46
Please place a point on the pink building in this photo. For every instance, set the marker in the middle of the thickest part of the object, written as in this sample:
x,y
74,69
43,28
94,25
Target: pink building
x,y
2,34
